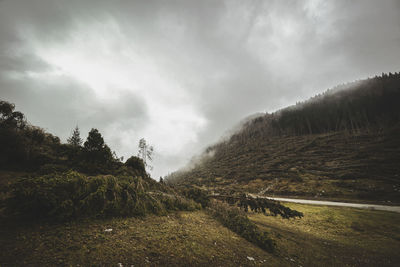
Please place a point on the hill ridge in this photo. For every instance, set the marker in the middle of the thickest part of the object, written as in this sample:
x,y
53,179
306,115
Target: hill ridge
x,y
341,144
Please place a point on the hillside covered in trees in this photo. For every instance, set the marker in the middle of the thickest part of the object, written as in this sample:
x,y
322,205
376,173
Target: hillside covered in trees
x,y
45,179
30,148
342,144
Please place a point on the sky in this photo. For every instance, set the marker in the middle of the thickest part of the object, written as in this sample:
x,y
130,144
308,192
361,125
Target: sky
x,y
182,73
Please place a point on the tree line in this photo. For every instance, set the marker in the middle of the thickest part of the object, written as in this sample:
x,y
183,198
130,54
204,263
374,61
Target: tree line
x,y
27,147
370,104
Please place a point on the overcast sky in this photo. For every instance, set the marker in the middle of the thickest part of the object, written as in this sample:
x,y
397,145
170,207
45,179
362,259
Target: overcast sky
x,y
181,73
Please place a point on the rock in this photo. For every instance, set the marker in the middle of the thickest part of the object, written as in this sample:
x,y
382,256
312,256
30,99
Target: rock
x,y
250,258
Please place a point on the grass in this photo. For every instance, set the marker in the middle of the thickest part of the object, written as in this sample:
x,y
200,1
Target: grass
x,y
179,239
326,236
330,236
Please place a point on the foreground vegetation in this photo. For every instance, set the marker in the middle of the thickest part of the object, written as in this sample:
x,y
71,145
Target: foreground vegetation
x,y
72,195
326,236
70,182
61,197
178,239
330,236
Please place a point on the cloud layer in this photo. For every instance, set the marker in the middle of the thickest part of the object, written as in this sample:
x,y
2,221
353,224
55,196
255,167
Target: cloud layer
x,y
180,73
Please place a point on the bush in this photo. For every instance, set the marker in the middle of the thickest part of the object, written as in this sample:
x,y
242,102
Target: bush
x,y
135,163
236,220
175,202
71,195
198,195
263,205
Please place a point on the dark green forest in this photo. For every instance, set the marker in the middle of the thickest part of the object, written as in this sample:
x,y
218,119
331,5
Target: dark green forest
x,y
364,105
30,148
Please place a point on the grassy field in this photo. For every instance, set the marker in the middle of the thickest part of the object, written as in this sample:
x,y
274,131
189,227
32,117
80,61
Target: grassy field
x,y
326,236
179,239
330,236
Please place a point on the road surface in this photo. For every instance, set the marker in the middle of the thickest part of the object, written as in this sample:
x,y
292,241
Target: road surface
x,y
338,204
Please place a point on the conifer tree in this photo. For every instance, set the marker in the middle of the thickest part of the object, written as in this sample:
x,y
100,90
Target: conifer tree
x,y
75,139
96,149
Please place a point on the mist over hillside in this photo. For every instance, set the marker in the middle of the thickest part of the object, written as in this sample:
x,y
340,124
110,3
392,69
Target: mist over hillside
x,y
341,143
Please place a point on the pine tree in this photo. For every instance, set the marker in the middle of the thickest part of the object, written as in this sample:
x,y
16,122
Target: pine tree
x,y
96,149
75,139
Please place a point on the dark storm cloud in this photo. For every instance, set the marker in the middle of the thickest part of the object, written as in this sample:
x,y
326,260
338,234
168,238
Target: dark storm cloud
x,y
197,67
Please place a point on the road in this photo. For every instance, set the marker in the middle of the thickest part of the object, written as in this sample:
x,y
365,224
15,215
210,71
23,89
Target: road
x,y
337,204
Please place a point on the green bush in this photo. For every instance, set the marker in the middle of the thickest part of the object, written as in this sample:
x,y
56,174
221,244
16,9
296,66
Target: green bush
x,y
135,163
69,195
236,220
264,205
198,195
175,202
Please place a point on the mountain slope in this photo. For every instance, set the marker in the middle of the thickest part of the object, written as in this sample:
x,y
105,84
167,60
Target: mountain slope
x,y
343,144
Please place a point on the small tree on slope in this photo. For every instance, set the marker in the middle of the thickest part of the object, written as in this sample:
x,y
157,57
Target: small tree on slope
x,y
75,139
145,153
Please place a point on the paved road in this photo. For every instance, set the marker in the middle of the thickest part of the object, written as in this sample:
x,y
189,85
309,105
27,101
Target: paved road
x,y
338,204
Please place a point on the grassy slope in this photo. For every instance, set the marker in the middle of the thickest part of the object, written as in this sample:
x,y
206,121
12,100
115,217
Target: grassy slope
x,y
340,166
179,239
326,236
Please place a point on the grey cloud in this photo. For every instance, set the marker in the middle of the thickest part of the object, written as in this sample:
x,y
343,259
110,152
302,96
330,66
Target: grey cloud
x,y
12,62
59,106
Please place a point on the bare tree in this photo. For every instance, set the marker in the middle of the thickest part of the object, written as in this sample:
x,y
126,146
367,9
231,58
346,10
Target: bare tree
x,y
145,153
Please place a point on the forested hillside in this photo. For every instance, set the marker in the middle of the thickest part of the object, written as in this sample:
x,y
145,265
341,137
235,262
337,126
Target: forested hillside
x,y
342,144
44,179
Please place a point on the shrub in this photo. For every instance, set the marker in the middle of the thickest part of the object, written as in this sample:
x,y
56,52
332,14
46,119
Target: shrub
x,y
135,163
263,205
198,195
237,221
71,195
176,202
